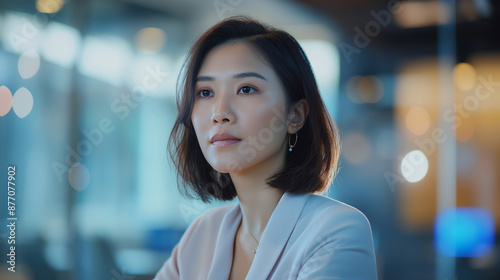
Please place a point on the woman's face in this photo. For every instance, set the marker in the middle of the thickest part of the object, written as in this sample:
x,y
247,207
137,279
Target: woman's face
x,y
238,94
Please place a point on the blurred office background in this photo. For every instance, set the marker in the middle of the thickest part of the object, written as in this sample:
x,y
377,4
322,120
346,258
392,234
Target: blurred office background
x,y
87,101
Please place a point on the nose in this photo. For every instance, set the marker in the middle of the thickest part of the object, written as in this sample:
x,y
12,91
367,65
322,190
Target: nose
x,y
222,112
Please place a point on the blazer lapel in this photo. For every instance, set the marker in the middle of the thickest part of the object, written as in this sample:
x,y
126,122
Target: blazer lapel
x,y
222,259
276,234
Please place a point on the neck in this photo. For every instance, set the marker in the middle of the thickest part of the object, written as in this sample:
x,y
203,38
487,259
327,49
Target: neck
x,y
257,199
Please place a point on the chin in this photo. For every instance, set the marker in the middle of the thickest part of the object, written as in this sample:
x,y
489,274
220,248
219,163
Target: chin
x,y
229,166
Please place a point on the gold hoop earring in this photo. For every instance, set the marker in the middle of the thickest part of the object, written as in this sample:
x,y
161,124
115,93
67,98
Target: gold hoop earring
x,y
296,138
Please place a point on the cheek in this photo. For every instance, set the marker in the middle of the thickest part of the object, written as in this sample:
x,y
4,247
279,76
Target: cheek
x,y
265,119
197,118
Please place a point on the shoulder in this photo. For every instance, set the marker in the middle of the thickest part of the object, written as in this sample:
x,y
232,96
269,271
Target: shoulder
x,y
201,232
208,219
332,236
326,217
332,210
215,214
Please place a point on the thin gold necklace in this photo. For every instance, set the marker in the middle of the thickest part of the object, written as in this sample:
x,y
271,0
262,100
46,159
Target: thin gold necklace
x,y
254,250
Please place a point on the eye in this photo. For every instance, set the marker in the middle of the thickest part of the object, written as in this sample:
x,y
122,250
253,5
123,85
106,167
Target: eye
x,y
247,89
203,91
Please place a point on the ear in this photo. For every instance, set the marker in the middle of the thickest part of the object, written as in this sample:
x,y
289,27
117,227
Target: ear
x,y
298,115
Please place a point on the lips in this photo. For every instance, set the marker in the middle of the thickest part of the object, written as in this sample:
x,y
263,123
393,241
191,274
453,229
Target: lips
x,y
224,139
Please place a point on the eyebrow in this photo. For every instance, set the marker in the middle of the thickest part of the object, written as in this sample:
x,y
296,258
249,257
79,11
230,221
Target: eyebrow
x,y
237,76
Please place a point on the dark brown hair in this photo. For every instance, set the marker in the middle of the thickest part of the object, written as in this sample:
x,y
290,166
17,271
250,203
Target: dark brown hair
x,y
313,163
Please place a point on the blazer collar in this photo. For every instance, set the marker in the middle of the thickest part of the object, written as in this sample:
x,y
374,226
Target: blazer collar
x,y
273,240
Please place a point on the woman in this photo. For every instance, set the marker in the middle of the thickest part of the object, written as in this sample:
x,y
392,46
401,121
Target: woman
x,y
248,92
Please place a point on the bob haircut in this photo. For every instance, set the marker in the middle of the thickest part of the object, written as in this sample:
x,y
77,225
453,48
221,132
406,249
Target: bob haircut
x,y
313,163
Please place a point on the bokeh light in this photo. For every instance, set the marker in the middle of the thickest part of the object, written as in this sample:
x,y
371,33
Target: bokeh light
x,y
106,58
61,44
356,148
370,89
352,89
5,100
464,232
325,62
465,131
418,120
79,176
49,6
22,102
28,64
364,89
421,14
464,76
150,40
414,166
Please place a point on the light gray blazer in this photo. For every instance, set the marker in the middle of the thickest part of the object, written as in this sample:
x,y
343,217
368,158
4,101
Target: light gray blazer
x,y
307,237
